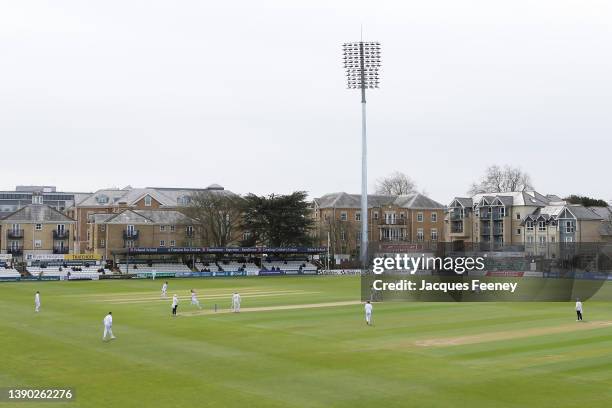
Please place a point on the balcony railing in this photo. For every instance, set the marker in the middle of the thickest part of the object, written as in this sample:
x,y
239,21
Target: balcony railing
x,y
397,221
15,234
456,216
457,229
15,250
60,250
61,235
130,235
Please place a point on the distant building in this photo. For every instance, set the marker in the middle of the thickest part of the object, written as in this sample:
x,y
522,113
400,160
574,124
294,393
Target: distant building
x,y
114,201
108,233
412,218
522,218
36,229
11,201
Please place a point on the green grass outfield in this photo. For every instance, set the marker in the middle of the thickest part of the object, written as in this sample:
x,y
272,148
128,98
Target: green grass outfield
x,y
281,355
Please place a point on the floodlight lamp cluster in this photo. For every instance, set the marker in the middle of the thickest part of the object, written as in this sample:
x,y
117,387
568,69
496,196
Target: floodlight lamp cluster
x,y
362,63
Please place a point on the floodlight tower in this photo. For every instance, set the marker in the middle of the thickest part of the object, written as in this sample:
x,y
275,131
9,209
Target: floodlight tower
x,y
362,62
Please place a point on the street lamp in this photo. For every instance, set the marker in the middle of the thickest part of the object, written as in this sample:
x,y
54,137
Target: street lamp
x,y
362,62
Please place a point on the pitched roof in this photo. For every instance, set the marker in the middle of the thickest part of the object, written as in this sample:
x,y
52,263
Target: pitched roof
x,y
161,217
166,196
38,213
519,198
345,200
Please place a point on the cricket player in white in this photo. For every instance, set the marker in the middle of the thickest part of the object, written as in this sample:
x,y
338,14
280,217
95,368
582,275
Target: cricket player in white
x,y
164,290
194,299
236,302
578,310
108,326
174,305
37,302
368,313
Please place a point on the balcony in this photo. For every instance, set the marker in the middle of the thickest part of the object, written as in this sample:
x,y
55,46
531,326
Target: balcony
x,y
457,229
456,216
61,235
16,251
397,221
15,234
130,235
60,250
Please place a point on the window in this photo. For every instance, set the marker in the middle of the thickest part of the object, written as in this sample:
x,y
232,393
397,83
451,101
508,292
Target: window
x,y
402,216
518,216
162,243
102,243
38,227
162,228
357,216
434,217
358,236
552,239
569,227
502,211
88,235
147,201
541,226
420,217
420,235
37,199
530,239
172,228
102,227
375,215
569,239
189,230
518,231
342,235
343,216
172,243
542,239
434,234
529,225
37,243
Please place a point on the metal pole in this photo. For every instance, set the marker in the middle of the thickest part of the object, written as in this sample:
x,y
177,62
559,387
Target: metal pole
x,y
364,167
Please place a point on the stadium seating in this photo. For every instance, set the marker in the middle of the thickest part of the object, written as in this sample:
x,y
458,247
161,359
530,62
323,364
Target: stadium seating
x,y
157,267
290,266
9,273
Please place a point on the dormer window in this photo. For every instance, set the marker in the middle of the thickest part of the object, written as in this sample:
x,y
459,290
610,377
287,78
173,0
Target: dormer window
x,y
147,201
37,199
102,199
529,225
183,200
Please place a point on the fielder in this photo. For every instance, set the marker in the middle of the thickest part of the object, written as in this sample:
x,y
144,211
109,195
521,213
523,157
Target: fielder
x,y
578,310
174,305
164,290
108,326
236,302
37,302
368,313
194,299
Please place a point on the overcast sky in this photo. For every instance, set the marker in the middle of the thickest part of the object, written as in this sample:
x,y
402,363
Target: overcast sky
x,y
251,94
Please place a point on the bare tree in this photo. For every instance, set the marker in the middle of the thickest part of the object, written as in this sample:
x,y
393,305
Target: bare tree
x,y
499,179
217,216
396,183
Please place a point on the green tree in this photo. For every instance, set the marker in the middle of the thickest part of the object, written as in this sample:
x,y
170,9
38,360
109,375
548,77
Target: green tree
x,y
586,201
278,220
